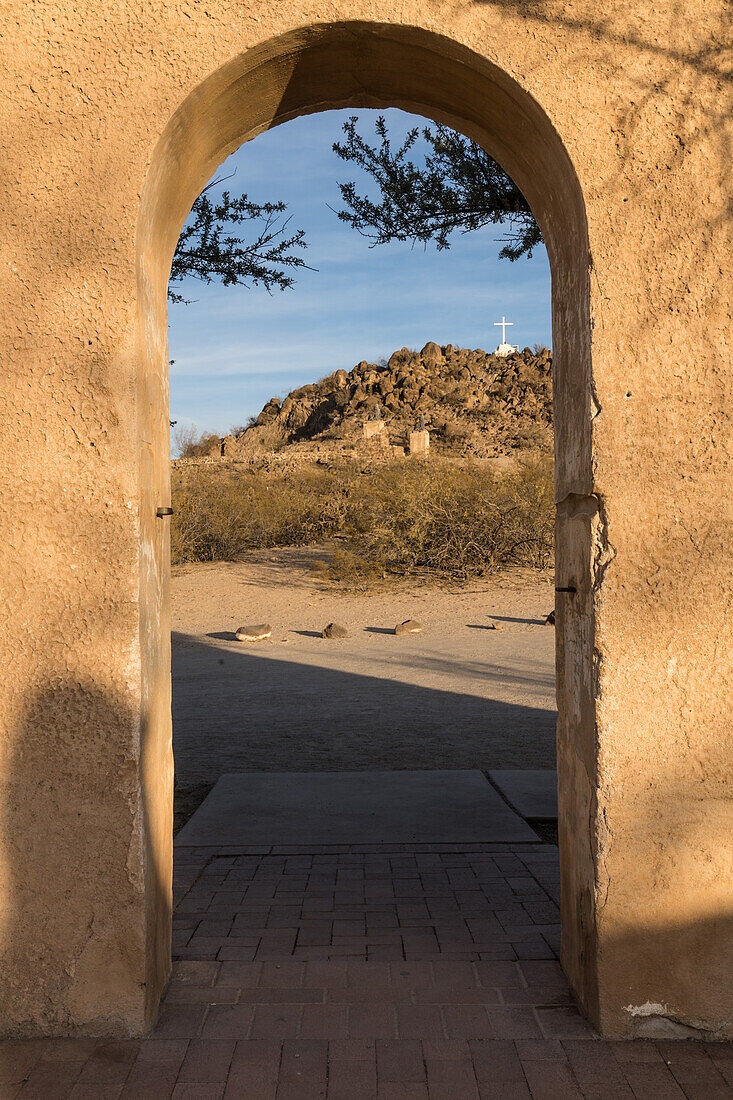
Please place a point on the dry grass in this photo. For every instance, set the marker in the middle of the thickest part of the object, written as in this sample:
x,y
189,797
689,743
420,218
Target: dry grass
x,y
222,511
435,516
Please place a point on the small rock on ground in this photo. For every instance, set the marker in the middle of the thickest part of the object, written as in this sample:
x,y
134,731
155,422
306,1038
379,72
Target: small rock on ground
x,y
550,620
254,633
334,630
409,626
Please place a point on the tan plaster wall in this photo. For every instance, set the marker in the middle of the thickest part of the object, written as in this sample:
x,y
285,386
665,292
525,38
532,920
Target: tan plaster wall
x,y
616,123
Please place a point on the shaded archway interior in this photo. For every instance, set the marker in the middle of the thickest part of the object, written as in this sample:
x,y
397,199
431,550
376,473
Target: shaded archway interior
x,y
349,65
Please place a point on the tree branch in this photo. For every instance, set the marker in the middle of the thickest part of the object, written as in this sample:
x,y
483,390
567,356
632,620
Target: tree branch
x,y
209,248
458,188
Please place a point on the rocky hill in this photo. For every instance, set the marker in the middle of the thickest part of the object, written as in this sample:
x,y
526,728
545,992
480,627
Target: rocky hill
x,y
472,402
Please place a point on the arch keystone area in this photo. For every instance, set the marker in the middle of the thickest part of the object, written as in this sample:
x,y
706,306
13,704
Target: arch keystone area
x,y
617,136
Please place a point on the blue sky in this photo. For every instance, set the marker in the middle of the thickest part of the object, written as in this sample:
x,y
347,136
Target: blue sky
x,y
234,348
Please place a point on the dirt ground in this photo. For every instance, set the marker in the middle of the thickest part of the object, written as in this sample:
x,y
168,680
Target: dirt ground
x,y
460,695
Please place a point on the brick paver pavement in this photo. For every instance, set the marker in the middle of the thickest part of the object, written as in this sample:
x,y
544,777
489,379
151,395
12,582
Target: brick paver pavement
x,y
383,973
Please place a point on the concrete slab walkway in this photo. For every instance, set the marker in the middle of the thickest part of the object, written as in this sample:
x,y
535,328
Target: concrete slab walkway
x,y
532,792
358,807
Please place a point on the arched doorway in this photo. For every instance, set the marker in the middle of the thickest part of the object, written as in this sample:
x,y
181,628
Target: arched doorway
x,y
379,66
102,170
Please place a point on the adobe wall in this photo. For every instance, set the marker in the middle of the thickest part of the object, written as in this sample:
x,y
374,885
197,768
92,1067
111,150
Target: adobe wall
x,y
613,121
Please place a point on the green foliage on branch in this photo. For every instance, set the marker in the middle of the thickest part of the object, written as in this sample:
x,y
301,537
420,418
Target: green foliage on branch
x,y
211,245
457,188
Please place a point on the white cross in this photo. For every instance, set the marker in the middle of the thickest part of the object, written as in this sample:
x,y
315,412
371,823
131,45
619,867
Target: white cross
x,y
504,325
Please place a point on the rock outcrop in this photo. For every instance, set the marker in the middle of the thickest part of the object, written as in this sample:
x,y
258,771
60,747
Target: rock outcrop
x,y
470,401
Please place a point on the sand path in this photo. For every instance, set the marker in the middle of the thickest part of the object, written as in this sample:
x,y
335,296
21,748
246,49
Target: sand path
x,y
457,696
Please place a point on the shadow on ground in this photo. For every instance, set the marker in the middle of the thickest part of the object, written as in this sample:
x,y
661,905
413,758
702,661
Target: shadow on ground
x,y
241,711
506,619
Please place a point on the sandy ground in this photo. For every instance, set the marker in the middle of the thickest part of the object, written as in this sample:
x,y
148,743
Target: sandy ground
x,y
457,696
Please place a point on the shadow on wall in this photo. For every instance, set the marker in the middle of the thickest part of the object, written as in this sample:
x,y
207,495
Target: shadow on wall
x,y
67,817
676,955
704,58
235,710
72,919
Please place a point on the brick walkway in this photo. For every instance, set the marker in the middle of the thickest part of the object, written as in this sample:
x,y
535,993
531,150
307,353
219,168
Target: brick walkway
x,y
406,973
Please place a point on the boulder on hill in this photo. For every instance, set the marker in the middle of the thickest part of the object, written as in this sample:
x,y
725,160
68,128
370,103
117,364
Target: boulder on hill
x,y
470,400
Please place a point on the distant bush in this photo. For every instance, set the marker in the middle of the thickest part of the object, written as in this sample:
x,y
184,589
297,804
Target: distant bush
x,y
457,520
219,512
189,443
433,516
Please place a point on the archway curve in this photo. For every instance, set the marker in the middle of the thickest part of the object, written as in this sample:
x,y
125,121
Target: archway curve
x,y
377,65
317,68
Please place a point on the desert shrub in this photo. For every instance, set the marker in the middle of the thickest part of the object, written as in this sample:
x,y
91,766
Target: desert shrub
x,y
436,516
352,570
219,513
457,520
189,443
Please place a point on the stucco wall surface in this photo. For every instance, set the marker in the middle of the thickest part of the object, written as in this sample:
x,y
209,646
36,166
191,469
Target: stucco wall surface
x,y
615,120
